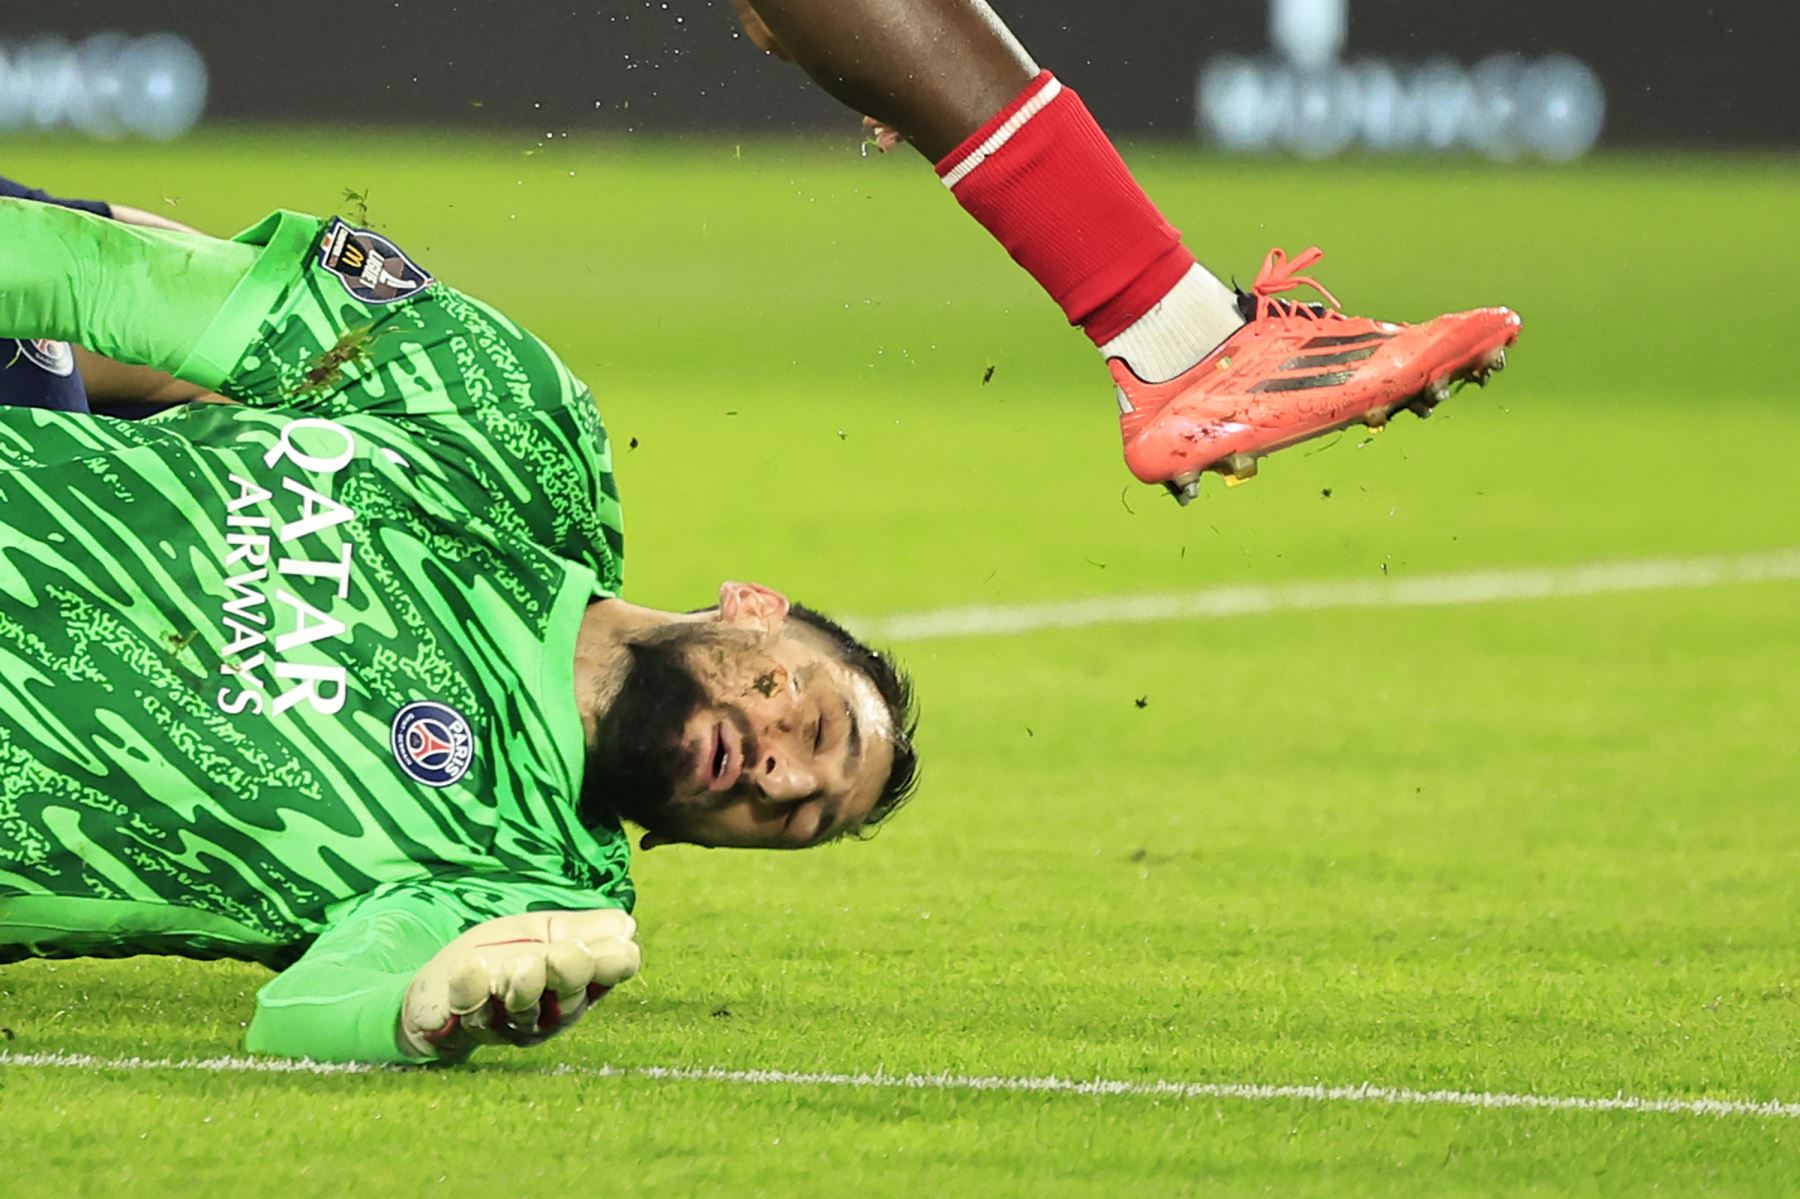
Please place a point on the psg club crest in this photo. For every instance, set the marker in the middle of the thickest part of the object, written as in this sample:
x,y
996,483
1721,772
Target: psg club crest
x,y
432,743
53,356
371,268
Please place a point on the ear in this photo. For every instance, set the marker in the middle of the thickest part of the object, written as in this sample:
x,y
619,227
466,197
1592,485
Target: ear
x,y
752,605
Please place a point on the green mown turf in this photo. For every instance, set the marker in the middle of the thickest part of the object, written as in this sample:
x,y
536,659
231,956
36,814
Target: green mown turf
x,y
1548,848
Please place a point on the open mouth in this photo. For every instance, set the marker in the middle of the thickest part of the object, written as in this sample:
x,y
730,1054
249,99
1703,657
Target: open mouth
x,y
724,761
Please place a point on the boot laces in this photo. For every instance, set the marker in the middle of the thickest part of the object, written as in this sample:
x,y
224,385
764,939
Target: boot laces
x,y
1278,275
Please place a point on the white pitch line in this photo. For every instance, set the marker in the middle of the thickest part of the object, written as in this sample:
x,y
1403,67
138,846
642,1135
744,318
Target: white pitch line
x,y
1051,1085
1425,591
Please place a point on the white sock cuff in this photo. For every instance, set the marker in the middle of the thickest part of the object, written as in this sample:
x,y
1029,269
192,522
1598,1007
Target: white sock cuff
x,y
1180,330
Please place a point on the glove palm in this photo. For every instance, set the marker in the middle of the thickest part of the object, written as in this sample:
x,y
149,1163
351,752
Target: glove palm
x,y
518,980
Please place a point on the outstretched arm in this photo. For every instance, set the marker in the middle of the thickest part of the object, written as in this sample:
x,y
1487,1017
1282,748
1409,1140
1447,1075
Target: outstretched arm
x,y
404,978
139,295
107,379
111,381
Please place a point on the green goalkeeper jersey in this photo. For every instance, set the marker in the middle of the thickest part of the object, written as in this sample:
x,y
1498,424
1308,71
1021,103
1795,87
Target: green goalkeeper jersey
x,y
306,663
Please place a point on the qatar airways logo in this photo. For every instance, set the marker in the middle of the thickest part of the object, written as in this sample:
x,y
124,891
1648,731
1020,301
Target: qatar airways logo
x,y
1308,100
283,576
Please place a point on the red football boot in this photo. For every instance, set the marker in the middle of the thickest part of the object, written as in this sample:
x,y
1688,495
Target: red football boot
x,y
1294,372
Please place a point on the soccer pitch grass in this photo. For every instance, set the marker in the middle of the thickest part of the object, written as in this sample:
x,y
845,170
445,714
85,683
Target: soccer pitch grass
x,y
1535,847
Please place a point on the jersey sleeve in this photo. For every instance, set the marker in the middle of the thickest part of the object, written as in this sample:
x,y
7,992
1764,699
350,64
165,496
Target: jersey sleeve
x,y
341,1001
341,323
338,321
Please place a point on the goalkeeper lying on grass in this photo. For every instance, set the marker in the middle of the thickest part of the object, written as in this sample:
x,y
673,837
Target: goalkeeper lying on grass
x,y
337,679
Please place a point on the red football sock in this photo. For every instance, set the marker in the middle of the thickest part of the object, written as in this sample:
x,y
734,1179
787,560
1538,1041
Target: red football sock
x,y
1046,182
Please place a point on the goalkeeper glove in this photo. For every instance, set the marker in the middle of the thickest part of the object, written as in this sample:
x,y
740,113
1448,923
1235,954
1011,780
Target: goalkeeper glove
x,y
518,979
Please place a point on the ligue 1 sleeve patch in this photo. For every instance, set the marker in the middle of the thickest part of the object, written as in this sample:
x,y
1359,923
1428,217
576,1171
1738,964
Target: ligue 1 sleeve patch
x,y
53,356
371,268
433,743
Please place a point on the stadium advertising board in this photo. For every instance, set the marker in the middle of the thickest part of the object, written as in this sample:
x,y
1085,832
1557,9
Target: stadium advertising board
x,y
1534,78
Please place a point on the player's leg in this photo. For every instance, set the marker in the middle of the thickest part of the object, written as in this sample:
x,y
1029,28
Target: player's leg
x,y
142,296
1025,158
1207,379
936,70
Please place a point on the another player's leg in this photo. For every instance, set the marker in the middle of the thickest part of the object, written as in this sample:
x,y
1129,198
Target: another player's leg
x,y
1293,372
1207,379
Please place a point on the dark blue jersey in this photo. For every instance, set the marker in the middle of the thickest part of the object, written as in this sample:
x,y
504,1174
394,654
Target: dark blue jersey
x,y
37,373
18,191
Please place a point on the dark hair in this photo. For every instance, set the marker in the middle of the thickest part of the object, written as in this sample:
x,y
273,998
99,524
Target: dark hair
x,y
894,686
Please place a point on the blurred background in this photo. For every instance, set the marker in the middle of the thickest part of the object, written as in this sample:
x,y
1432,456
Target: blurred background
x,y
1536,78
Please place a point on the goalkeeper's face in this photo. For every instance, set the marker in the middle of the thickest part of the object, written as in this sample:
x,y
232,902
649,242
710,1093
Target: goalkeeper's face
x,y
743,728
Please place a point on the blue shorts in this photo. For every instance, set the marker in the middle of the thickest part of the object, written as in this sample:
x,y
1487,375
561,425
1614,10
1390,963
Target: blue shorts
x,y
40,373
